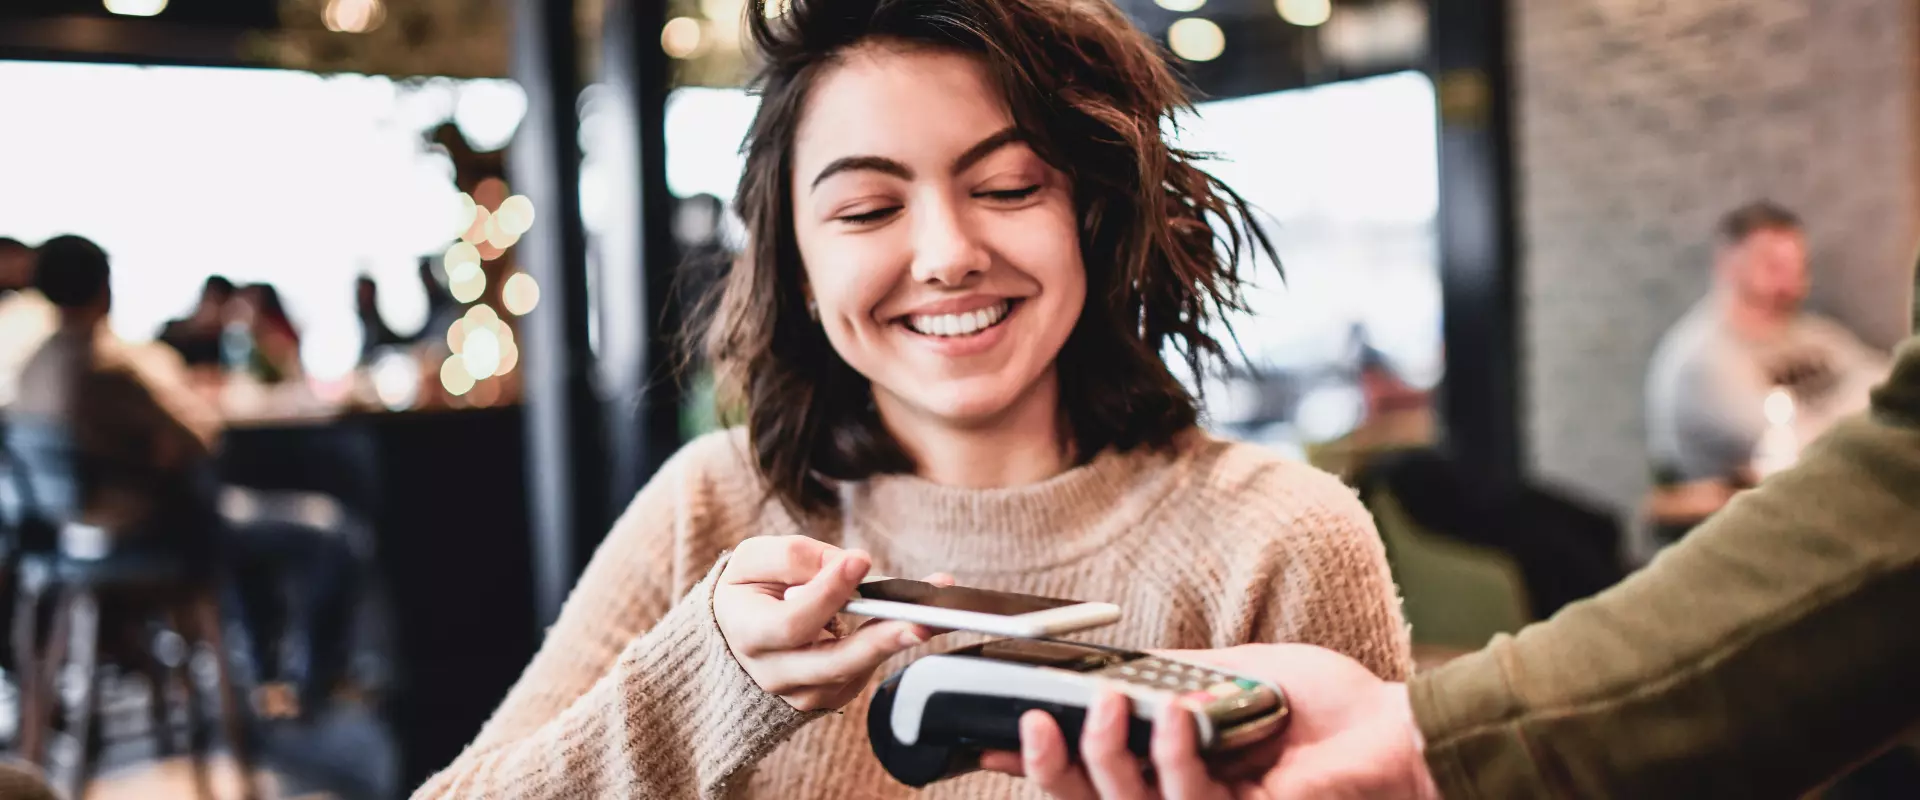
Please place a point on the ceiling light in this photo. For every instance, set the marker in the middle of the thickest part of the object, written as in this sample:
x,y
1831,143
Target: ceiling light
x,y
136,8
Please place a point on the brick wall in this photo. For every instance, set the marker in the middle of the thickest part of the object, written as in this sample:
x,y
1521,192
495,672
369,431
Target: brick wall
x,y
1640,122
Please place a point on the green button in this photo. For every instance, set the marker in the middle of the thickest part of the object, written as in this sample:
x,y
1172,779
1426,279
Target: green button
x,y
1246,684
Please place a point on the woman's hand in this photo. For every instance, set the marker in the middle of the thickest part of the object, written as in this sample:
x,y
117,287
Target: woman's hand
x,y
776,602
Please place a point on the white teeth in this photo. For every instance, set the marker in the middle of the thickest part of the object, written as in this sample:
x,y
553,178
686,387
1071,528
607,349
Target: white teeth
x,y
965,324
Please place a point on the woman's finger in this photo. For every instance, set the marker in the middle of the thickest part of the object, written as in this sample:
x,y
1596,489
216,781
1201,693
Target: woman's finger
x,y
1176,757
1043,757
811,605
848,658
777,560
763,623
1103,748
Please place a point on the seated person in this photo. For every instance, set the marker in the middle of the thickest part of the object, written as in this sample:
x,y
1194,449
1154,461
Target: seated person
x,y
197,336
972,246
274,355
1712,374
157,449
79,379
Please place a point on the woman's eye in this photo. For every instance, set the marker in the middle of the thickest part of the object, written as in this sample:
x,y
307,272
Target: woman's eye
x,y
1010,195
869,217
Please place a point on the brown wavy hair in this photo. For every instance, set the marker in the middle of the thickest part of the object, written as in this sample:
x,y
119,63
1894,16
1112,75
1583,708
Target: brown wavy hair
x,y
1160,238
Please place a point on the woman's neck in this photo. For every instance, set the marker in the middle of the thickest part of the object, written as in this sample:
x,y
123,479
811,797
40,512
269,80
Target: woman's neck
x,y
1022,445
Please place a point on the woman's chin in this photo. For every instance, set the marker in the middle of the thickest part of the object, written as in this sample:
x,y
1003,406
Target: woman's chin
x,y
958,408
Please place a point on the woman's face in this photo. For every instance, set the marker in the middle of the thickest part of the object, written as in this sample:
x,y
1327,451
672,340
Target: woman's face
x,y
942,254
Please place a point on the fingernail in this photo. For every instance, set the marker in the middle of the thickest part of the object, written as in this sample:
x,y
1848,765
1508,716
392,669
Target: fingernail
x,y
911,638
1097,713
1031,742
853,565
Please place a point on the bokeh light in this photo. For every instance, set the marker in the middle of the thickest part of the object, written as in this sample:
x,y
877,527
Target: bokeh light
x,y
396,380
476,231
1305,13
464,214
1778,407
466,282
509,356
1196,39
481,316
454,376
457,335
520,294
498,236
481,356
460,254
515,215
353,16
1181,6
681,37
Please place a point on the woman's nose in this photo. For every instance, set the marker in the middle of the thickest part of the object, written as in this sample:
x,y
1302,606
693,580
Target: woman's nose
x,y
946,250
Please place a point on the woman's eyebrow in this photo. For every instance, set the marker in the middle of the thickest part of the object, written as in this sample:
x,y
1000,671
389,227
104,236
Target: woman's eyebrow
x,y
887,166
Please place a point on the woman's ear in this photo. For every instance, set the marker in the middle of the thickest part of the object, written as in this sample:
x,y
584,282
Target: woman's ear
x,y
813,308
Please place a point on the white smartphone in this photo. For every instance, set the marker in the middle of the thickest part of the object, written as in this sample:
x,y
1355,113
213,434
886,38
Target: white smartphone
x,y
965,608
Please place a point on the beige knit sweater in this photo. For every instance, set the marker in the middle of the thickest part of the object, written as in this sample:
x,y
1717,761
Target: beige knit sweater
x,y
635,694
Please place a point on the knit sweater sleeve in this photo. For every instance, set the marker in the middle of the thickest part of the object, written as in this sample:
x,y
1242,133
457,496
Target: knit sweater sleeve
x,y
1320,575
634,692
1345,590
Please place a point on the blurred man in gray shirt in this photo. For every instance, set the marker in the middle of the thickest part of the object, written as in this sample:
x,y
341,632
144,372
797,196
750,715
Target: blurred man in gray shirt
x,y
1711,379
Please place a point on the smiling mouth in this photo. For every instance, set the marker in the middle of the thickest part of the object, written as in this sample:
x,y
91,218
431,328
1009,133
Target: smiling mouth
x,y
954,326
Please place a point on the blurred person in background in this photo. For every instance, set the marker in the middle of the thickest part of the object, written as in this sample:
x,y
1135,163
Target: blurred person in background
x,y
262,336
83,380
1711,377
442,308
123,407
375,335
26,318
971,246
196,337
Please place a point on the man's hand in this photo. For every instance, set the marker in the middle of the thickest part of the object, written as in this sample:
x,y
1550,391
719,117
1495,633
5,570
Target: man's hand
x,y
1349,734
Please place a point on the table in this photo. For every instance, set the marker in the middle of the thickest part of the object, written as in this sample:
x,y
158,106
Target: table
x,y
445,491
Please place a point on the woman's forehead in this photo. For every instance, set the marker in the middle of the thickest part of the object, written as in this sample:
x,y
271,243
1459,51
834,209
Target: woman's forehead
x,y
904,102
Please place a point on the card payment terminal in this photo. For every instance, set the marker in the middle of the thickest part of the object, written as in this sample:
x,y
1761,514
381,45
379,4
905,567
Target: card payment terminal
x,y
931,720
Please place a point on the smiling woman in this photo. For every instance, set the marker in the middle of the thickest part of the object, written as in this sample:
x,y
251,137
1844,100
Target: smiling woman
x,y
900,158
970,244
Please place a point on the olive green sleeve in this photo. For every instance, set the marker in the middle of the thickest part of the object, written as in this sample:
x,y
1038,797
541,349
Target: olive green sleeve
x,y
1773,647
